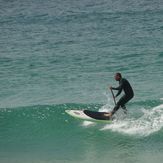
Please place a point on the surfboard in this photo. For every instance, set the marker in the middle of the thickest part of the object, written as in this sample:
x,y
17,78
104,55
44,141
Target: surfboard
x,y
89,115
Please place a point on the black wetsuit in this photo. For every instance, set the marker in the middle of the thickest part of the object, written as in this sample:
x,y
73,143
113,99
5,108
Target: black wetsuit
x,y
129,94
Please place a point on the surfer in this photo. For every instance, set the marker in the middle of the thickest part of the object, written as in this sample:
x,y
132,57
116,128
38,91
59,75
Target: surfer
x,y
128,93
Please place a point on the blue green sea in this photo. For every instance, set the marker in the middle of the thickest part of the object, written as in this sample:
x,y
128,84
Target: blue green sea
x,y
62,54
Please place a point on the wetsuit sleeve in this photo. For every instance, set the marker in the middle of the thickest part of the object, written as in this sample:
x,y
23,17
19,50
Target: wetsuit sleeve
x,y
119,88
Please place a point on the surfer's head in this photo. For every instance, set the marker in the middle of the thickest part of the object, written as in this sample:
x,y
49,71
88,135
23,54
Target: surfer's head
x,y
118,76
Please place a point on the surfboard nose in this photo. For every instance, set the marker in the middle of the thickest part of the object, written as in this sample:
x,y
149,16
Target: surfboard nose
x,y
67,111
73,112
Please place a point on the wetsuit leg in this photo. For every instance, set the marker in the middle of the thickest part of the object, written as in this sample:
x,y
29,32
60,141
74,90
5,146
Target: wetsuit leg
x,y
124,109
115,108
123,100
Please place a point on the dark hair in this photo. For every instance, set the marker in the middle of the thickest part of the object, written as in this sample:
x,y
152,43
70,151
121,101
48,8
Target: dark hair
x,y
119,74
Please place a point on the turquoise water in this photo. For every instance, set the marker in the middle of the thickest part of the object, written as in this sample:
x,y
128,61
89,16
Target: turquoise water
x,y
57,55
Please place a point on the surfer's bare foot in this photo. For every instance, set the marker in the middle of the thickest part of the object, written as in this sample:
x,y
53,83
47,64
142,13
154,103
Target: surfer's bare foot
x,y
108,114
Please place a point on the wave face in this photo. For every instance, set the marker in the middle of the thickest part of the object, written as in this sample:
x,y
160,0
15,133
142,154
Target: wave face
x,y
45,133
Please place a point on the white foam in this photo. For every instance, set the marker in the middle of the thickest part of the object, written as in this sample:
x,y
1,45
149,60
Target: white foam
x,y
88,123
105,108
150,122
108,106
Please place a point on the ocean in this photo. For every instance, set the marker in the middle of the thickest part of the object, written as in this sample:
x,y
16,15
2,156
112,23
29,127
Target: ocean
x,y
63,54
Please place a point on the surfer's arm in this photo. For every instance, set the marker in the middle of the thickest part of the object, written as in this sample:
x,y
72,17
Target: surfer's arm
x,y
119,92
119,88
115,88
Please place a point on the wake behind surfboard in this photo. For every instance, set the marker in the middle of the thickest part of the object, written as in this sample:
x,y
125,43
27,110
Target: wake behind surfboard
x,y
89,115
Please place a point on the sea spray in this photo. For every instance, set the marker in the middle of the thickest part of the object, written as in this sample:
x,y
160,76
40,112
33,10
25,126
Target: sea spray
x,y
150,122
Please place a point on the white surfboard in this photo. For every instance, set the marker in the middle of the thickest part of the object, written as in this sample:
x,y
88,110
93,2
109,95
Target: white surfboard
x,y
89,115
